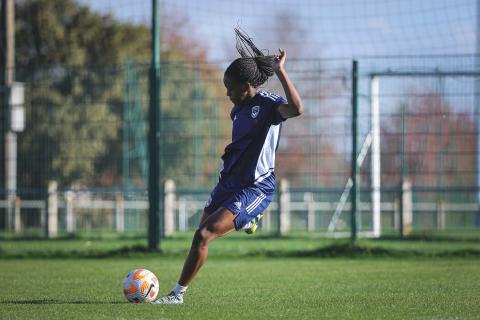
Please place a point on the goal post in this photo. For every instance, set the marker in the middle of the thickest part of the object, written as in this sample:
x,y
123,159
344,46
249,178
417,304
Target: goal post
x,y
372,142
375,154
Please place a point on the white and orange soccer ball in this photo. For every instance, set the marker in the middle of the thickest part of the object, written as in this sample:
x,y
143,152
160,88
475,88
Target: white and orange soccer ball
x,y
140,285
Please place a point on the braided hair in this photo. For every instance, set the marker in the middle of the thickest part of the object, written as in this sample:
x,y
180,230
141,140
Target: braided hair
x,y
253,67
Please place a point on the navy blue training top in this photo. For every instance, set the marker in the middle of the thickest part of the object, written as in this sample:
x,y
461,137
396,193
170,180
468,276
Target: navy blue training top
x,y
249,160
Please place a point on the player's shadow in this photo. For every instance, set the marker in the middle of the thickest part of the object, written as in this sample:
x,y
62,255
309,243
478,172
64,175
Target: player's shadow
x,y
54,301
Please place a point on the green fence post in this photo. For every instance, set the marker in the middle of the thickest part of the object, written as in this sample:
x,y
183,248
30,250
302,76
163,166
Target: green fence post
x,y
404,168
154,183
355,191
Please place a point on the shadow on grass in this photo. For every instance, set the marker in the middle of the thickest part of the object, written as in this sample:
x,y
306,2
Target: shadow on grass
x,y
54,301
327,250
431,238
349,250
125,251
337,250
326,237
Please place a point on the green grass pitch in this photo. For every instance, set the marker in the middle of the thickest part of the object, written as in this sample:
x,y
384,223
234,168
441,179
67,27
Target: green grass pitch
x,y
247,288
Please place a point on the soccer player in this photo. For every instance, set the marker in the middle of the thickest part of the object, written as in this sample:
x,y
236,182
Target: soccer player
x,y
247,181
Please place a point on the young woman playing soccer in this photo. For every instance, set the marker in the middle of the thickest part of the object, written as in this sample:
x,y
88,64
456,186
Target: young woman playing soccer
x,y
247,182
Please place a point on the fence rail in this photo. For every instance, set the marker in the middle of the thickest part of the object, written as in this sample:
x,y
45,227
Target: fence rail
x,y
183,211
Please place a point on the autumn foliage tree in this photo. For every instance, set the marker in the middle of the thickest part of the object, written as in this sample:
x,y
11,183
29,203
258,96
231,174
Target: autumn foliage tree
x,y
439,144
74,63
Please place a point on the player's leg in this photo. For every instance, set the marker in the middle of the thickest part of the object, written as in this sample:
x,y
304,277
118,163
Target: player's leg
x,y
215,225
203,218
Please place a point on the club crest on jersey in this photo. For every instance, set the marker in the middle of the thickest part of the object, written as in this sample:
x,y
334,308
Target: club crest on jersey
x,y
255,111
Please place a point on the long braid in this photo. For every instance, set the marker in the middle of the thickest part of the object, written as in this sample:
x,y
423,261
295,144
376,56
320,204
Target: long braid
x,y
253,66
245,45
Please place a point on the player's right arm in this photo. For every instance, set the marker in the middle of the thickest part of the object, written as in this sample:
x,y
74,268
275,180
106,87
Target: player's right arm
x,y
294,106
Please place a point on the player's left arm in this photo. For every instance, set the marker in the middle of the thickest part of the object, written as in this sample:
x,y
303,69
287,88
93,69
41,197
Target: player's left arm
x,y
294,106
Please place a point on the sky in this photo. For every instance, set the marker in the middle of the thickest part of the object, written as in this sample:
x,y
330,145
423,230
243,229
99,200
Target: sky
x,y
319,28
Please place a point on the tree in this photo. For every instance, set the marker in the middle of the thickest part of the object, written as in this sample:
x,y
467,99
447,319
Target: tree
x,y
439,144
73,103
74,62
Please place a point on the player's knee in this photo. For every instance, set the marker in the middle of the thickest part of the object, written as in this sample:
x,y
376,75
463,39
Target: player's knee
x,y
203,235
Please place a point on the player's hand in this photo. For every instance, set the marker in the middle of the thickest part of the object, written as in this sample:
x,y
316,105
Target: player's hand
x,y
279,61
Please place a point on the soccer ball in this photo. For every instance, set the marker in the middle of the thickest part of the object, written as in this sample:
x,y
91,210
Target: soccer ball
x,y
140,285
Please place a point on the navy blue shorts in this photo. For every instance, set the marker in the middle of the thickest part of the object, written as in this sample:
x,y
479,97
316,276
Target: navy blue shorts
x,y
246,203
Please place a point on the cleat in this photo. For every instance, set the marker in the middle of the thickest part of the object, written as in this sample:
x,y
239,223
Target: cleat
x,y
170,298
252,226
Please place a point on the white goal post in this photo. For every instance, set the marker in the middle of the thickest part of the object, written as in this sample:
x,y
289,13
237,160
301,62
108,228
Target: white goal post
x,y
372,140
